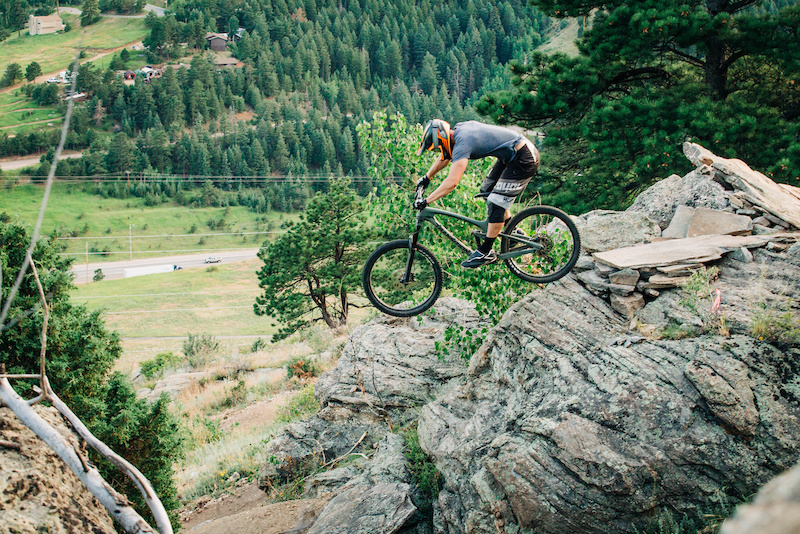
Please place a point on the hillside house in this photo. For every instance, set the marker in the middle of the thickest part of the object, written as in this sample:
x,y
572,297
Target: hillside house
x,y
150,73
217,41
45,25
227,62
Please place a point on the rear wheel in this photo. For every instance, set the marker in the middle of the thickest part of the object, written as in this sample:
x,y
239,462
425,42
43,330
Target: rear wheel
x,y
389,292
545,244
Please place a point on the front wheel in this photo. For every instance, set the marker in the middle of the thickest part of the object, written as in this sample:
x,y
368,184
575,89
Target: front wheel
x,y
392,291
543,242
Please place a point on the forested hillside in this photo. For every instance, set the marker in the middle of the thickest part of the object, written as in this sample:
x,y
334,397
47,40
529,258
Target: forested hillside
x,y
312,71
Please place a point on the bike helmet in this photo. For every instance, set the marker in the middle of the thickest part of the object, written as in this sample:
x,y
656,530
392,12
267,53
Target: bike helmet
x,y
436,135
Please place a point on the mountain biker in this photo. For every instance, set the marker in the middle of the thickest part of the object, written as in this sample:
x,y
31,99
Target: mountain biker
x,y
517,162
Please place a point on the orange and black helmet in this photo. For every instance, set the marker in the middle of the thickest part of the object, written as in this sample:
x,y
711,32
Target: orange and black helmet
x,y
436,135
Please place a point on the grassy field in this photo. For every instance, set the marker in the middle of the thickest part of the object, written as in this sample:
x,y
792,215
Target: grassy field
x,y
19,114
105,223
214,300
56,51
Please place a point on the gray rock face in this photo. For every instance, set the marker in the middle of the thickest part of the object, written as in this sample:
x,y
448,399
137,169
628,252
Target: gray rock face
x,y
696,189
383,508
387,371
605,229
775,509
377,500
560,430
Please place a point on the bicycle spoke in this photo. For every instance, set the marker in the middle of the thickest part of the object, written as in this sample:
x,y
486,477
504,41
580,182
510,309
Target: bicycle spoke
x,y
393,291
541,244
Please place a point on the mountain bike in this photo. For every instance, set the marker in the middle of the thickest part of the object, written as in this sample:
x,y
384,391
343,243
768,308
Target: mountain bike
x,y
403,278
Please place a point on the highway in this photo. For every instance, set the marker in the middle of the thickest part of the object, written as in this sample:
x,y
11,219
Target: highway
x,y
114,270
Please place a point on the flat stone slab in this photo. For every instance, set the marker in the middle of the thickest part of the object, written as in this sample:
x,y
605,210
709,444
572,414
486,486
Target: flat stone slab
x,y
710,222
780,200
701,249
679,225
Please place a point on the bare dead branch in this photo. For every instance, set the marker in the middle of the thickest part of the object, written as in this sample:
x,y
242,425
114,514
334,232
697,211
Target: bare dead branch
x,y
114,502
335,460
43,350
149,494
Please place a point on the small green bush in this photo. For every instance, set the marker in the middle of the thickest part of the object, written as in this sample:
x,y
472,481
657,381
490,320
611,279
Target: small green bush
x,y
258,344
156,367
776,325
423,470
303,405
302,367
199,349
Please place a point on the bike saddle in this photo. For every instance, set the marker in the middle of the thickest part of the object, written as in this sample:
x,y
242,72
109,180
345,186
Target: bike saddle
x,y
483,195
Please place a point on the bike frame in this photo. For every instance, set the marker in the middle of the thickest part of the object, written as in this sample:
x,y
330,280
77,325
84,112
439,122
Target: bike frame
x,y
428,215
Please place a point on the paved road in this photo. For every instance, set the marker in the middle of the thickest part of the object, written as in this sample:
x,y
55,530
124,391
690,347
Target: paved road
x,y
21,163
114,270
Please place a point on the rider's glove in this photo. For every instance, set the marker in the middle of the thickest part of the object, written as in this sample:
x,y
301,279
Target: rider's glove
x,y
423,182
421,204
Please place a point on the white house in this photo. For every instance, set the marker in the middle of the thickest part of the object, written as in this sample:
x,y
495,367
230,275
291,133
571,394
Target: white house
x,y
44,25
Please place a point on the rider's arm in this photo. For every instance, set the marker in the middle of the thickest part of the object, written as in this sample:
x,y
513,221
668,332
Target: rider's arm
x,y
438,165
457,170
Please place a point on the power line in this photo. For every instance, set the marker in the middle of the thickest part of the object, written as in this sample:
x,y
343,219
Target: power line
x,y
177,310
163,294
121,236
151,252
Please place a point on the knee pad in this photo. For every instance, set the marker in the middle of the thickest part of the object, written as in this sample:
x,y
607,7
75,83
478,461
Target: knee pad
x,y
496,214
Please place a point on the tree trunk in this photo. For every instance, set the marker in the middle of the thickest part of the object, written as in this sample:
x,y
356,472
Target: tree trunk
x,y
716,70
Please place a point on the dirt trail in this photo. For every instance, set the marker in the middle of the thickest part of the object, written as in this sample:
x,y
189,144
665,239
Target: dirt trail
x,y
247,512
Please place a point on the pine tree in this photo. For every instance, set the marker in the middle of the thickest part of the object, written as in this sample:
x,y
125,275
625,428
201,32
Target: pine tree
x,y
90,12
32,71
310,272
650,75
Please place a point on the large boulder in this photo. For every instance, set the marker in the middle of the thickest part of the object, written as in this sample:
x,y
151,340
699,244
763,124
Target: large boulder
x,y
39,493
606,229
560,428
698,189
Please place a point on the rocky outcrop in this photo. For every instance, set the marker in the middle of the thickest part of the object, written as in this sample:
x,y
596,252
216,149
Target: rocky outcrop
x,y
561,428
38,493
388,370
606,229
579,414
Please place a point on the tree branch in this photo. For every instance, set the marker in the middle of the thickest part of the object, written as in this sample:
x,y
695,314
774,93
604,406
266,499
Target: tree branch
x,y
149,494
693,60
115,503
644,72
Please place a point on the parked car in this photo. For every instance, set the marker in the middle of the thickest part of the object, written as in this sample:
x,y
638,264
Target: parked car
x,y
54,80
213,259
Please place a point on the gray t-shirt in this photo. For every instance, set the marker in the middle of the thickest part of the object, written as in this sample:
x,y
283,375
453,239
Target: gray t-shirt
x,y
476,140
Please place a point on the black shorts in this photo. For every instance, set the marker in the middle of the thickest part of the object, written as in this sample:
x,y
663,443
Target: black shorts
x,y
507,180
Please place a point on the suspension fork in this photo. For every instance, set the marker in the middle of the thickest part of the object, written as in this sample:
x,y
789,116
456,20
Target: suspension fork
x,y
412,247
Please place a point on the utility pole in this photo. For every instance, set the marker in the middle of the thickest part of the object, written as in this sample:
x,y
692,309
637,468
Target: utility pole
x,y
87,262
130,240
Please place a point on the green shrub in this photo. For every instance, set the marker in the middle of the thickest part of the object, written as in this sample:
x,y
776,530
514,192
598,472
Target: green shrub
x,y
303,405
302,367
775,324
199,349
258,344
423,470
156,367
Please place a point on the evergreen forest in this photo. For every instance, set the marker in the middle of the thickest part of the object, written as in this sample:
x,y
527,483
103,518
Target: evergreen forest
x,y
286,120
